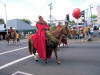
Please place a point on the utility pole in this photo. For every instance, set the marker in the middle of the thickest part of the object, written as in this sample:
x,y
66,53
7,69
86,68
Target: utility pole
x,y
86,14
91,13
50,5
4,3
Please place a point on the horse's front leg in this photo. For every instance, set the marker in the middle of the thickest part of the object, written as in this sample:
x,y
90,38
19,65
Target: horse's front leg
x,y
57,60
66,43
59,43
33,50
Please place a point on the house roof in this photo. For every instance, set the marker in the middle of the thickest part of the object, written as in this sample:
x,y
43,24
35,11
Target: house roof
x,y
19,25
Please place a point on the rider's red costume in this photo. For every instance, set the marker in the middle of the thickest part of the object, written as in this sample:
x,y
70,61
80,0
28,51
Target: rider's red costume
x,y
39,39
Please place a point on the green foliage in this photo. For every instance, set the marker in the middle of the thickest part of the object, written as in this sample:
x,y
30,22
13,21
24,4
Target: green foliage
x,y
93,16
72,22
1,21
26,21
53,28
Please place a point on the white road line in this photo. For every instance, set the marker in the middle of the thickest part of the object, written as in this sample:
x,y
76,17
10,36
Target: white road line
x,y
20,72
13,50
16,61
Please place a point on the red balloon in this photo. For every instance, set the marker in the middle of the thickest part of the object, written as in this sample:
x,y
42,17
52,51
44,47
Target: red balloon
x,y
77,13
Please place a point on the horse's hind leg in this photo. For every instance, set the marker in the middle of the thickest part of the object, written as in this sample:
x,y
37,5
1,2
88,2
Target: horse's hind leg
x,y
14,41
36,58
35,55
66,42
7,40
32,49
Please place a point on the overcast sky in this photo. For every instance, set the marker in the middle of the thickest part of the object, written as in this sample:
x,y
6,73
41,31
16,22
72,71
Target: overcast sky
x,y
31,9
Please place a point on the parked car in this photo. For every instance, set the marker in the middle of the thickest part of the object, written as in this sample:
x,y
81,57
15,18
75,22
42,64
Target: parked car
x,y
96,26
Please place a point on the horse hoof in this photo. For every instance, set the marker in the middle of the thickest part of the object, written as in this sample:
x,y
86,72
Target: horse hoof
x,y
36,60
46,62
58,61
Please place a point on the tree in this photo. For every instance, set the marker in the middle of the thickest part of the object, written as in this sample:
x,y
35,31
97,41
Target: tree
x,y
26,21
53,28
72,22
93,16
2,21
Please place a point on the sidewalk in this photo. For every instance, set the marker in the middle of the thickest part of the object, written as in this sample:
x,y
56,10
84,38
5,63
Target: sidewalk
x,y
96,39
83,41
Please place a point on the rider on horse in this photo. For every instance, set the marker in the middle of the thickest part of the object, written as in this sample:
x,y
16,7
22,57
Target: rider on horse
x,y
63,39
40,39
59,25
10,31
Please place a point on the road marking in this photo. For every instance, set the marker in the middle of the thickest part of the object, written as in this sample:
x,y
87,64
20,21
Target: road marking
x,y
16,61
13,50
22,73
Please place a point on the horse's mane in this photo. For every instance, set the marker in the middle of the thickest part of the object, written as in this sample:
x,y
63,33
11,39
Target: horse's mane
x,y
58,30
54,36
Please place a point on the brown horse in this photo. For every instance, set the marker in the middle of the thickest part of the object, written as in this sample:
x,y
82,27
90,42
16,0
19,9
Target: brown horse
x,y
11,37
52,43
73,32
64,41
64,38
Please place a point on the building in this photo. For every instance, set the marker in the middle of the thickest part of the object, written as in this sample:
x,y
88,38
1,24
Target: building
x,y
2,30
19,26
98,14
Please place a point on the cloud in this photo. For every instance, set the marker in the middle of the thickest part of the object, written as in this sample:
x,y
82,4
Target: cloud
x,y
31,9
59,11
20,10
17,10
61,8
40,7
1,10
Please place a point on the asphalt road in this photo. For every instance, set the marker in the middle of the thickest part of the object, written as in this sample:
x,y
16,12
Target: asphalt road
x,y
78,59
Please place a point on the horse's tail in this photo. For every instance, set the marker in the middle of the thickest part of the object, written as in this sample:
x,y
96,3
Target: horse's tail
x,y
30,45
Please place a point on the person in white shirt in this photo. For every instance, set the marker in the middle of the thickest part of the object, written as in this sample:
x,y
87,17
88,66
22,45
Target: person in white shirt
x,y
91,32
99,30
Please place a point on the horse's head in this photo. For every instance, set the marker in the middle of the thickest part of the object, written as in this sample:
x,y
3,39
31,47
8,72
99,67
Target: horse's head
x,y
66,31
